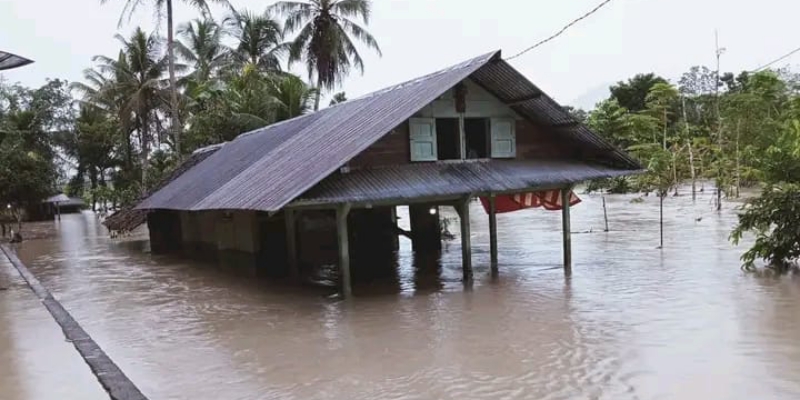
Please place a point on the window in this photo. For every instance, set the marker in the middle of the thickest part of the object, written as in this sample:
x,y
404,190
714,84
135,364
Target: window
x,y
433,139
422,134
504,142
476,135
448,141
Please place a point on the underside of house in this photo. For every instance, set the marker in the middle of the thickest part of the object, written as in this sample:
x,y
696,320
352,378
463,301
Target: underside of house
x,y
326,184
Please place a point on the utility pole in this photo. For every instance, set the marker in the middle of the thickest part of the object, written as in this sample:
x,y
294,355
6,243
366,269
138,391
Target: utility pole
x,y
718,51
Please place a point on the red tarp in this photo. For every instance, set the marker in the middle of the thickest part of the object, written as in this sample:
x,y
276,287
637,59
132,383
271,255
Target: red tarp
x,y
549,200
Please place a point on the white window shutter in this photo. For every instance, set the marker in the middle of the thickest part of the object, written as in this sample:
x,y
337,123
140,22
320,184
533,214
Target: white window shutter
x,y
504,138
422,133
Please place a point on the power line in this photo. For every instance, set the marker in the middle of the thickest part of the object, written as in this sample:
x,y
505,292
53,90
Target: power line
x,y
777,60
557,34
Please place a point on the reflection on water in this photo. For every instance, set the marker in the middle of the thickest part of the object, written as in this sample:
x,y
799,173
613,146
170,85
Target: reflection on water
x,y
632,322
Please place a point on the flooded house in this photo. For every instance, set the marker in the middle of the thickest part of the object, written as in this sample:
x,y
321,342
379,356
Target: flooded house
x,y
324,187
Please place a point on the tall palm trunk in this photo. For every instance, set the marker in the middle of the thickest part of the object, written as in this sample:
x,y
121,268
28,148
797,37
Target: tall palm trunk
x,y
318,96
144,133
176,121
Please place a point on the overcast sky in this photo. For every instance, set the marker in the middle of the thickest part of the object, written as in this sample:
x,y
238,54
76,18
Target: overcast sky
x,y
420,36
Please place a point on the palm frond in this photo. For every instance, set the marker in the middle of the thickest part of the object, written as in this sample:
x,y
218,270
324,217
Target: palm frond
x,y
353,8
361,34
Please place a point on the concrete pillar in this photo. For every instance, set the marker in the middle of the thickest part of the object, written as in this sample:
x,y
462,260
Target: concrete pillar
x,y
493,233
565,225
344,249
425,230
466,246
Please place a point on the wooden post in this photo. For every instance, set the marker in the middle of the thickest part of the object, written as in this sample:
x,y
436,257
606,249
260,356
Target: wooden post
x,y
466,246
605,213
58,211
291,243
565,197
493,233
344,249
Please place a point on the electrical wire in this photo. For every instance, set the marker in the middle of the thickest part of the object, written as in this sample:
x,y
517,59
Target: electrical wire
x,y
557,34
777,60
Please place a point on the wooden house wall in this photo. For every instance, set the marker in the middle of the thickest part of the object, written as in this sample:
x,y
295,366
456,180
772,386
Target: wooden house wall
x,y
532,141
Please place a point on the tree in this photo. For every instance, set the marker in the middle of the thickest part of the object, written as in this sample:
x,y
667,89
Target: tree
x,y
340,97
324,38
774,216
660,100
294,97
202,48
260,40
698,81
92,143
134,82
160,6
633,93
30,121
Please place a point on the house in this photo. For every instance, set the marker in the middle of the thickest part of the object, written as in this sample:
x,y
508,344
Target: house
x,y
53,207
10,61
330,180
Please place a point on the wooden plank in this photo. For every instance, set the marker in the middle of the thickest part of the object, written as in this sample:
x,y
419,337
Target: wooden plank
x,y
466,245
291,243
565,222
342,211
493,233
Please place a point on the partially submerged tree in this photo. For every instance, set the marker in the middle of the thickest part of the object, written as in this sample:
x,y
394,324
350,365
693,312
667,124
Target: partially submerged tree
x,y
774,216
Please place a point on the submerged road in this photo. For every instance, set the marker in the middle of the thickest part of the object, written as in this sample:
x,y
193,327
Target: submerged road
x,y
113,380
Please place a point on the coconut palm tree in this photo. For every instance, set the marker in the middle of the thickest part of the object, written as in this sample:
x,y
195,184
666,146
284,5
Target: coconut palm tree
x,y
293,97
202,48
134,84
340,97
324,36
260,39
165,6
99,90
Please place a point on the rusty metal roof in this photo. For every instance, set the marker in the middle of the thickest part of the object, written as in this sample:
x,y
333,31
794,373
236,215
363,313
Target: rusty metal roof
x,y
269,167
9,61
447,179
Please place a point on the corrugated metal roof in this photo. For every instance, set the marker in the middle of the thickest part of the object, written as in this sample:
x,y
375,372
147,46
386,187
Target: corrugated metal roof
x,y
9,61
511,87
451,179
267,168
128,218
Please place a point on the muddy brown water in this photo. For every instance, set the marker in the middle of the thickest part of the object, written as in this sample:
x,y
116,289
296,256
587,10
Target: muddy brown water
x,y
633,322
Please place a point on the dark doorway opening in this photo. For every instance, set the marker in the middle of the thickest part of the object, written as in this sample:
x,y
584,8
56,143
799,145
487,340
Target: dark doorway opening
x,y
476,134
447,139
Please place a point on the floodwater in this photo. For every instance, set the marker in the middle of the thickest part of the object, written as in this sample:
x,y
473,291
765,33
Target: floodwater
x,y
633,321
